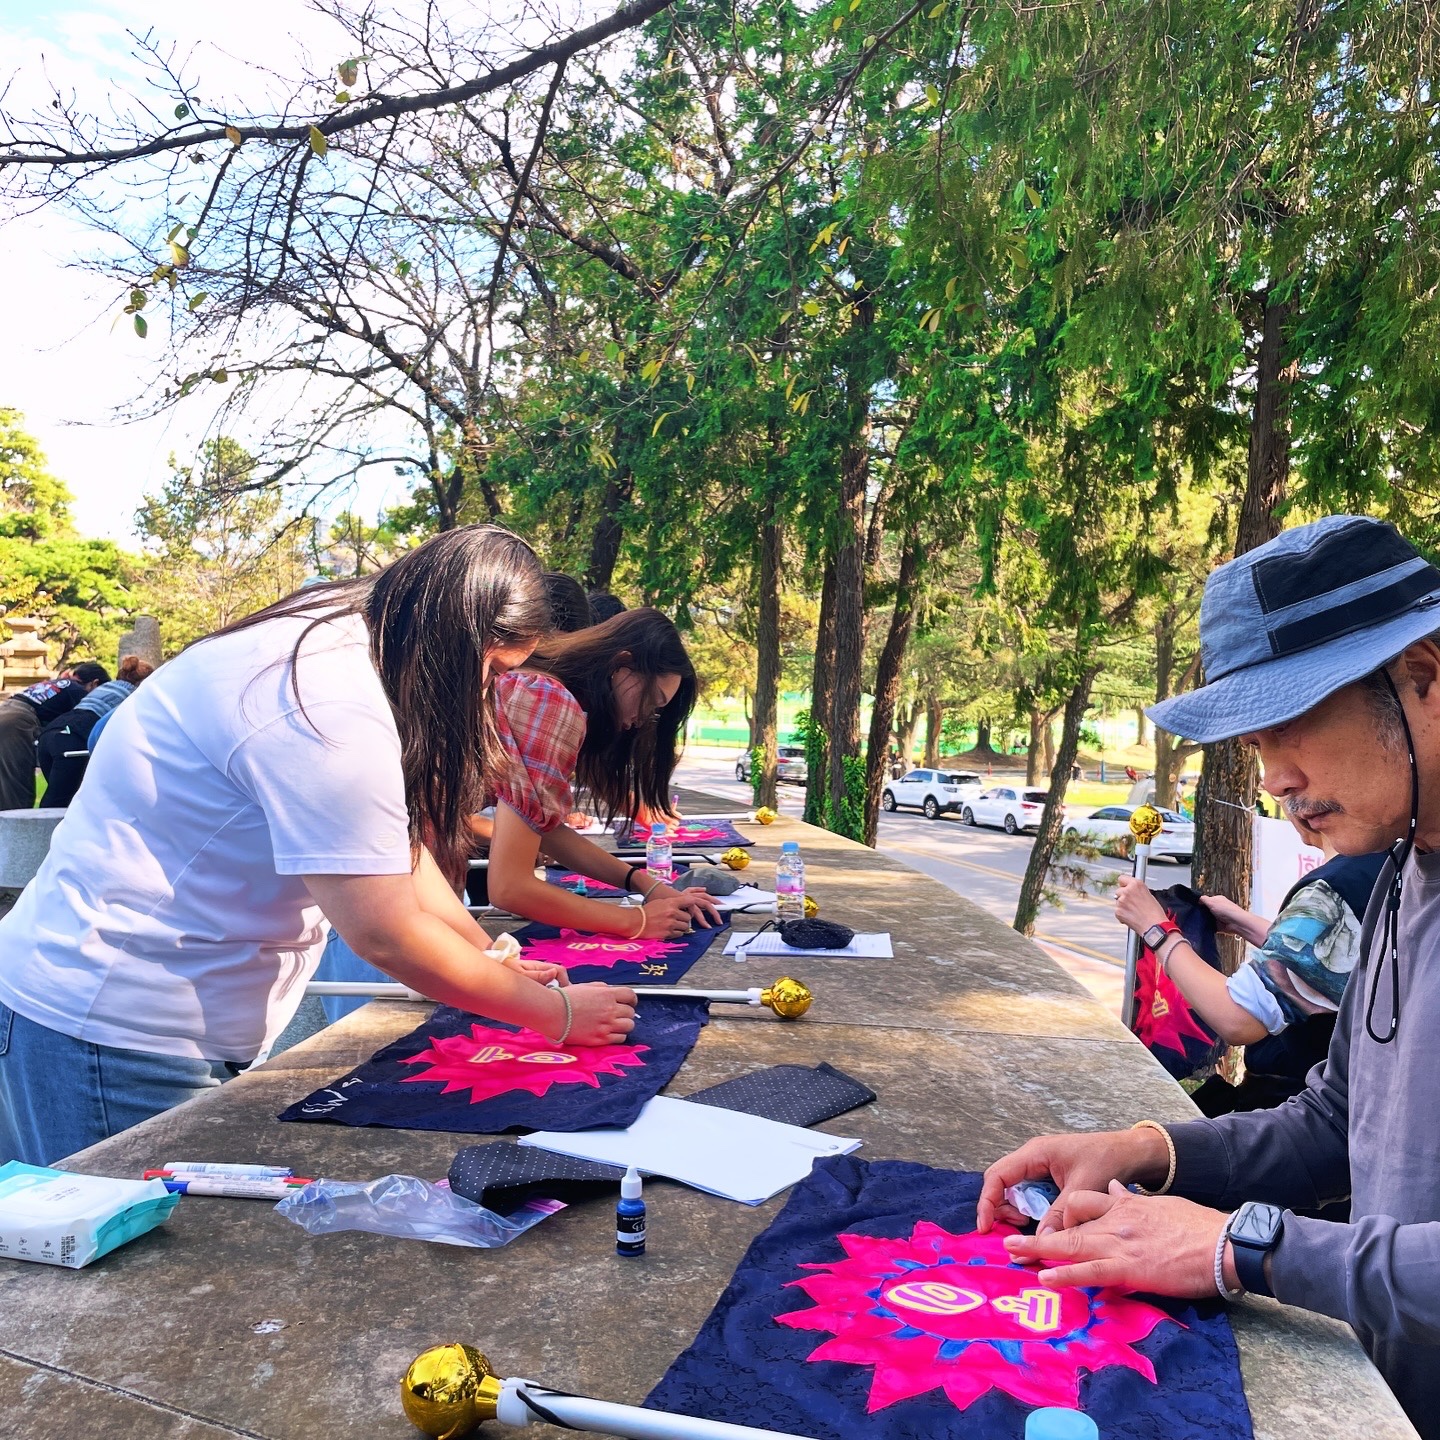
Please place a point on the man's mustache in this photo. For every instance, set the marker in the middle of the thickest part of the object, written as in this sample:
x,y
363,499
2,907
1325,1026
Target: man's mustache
x,y
1303,810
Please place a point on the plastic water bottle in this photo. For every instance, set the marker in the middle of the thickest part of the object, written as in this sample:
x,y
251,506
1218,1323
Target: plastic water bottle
x,y
659,854
790,883
1056,1424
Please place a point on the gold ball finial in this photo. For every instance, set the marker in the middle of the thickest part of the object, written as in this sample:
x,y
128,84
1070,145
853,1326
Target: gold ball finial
x,y
812,907
788,998
1145,823
766,816
736,858
449,1390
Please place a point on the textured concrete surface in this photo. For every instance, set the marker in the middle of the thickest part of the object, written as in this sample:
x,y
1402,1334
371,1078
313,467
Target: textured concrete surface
x,y
972,1039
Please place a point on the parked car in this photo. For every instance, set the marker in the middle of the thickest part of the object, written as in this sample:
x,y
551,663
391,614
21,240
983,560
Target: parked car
x,y
933,791
1011,807
791,767
1176,840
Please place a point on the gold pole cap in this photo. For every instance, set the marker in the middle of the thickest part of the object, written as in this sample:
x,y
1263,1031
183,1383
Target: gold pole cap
x,y
788,998
449,1390
1145,823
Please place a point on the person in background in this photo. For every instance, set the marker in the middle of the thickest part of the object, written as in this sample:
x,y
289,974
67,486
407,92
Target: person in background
x,y
569,605
59,742
25,714
604,606
1281,1004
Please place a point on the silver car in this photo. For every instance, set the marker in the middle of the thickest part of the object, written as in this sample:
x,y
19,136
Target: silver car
x,y
791,765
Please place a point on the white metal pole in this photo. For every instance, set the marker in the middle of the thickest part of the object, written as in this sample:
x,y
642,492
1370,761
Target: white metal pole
x,y
1132,946
372,989
720,997
579,1412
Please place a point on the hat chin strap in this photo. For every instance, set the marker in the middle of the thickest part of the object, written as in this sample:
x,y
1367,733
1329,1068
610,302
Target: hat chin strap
x,y
1400,853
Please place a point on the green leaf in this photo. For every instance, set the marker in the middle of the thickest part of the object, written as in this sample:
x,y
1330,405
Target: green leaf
x,y
932,95
192,231
318,143
855,5
141,328
811,307
934,321
342,97
938,11
612,351
348,71
837,22
170,238
179,255
220,375
950,285
402,269
182,111
655,428
1033,196
584,357
197,300
137,299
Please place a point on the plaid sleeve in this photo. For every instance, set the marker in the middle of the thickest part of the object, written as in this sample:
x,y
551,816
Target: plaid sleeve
x,y
542,728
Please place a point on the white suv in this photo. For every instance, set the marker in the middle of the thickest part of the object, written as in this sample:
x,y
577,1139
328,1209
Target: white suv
x,y
933,791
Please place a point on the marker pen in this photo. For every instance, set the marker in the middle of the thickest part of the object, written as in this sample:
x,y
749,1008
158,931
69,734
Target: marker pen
x,y
198,1167
232,1189
295,1181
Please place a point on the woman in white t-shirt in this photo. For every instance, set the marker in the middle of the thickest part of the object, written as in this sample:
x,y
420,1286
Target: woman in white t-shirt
x,y
291,768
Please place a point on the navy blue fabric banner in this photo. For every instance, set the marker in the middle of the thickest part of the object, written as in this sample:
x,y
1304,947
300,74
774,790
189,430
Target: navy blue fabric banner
x,y
1165,1021
613,960
870,1310
688,835
474,1076
577,884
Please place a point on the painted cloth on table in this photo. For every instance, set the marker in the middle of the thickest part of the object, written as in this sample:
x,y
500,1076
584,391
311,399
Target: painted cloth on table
x,y
615,960
542,727
476,1076
701,832
576,884
870,1308
1164,1020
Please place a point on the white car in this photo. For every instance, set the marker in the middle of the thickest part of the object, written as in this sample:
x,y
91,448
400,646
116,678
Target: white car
x,y
933,791
1176,840
1012,807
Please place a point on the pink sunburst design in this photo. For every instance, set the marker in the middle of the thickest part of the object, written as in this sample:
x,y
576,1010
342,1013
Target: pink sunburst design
x,y
572,947
951,1312
599,887
699,835
490,1061
1165,1019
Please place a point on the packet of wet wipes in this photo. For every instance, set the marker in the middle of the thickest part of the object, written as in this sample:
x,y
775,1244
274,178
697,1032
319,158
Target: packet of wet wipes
x,y
62,1219
1032,1197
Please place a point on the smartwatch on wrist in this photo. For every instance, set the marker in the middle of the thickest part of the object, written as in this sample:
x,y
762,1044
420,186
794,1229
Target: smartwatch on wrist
x,y
1155,936
1254,1231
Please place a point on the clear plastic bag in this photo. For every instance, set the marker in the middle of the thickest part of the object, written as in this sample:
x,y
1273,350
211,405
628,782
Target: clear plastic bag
x,y
410,1208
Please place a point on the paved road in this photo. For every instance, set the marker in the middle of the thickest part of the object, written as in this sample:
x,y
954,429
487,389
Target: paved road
x,y
985,866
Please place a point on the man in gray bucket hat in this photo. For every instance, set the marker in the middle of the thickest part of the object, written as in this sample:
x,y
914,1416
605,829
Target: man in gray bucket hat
x,y
1320,649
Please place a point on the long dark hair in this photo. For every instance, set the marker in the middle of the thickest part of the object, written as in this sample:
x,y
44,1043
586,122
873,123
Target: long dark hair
x,y
432,616
623,769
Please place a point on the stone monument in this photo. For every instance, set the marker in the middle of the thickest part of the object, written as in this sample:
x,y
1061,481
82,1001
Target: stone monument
x,y
23,657
143,641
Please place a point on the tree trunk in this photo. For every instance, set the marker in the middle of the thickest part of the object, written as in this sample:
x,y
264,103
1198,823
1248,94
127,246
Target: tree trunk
x,y
908,730
767,658
1032,750
1052,821
609,529
1225,800
934,719
1047,742
887,686
847,812
817,740
982,735
1140,719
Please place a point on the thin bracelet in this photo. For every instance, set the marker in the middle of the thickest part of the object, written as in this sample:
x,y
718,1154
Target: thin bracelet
x,y
569,1015
1169,945
1220,1266
1169,1145
641,930
648,893
630,875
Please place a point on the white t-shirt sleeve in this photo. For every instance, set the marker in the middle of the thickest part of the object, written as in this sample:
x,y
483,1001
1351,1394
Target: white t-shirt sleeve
x,y
330,785
1248,991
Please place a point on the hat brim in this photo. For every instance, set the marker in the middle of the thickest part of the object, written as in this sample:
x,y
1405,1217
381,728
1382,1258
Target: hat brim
x,y
1276,691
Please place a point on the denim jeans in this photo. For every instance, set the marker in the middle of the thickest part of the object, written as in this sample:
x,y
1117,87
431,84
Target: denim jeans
x,y
340,962
59,1095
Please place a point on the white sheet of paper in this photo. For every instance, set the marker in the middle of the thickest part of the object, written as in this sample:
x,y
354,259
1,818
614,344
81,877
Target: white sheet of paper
x,y
875,946
722,1152
745,895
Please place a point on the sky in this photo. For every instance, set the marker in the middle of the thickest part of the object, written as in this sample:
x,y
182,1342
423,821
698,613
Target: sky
x,y
63,362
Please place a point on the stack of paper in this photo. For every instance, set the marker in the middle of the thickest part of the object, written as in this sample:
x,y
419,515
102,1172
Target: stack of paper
x,y
863,947
745,896
722,1152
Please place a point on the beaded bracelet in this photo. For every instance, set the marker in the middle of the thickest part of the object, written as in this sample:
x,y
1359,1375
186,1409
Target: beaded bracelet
x,y
569,1015
1225,1293
1169,1145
